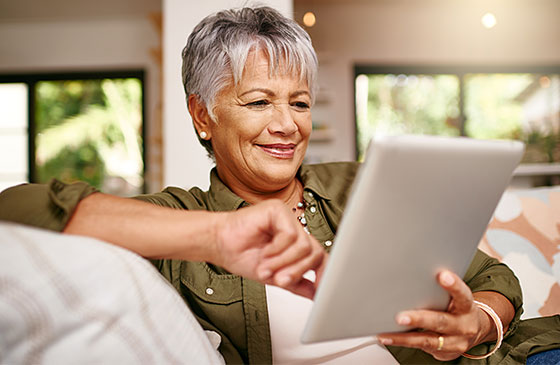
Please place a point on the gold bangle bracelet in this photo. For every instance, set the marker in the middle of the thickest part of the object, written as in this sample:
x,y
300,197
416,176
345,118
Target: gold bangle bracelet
x,y
499,328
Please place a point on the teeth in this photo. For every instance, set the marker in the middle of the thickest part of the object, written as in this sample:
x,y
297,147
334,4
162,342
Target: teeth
x,y
278,148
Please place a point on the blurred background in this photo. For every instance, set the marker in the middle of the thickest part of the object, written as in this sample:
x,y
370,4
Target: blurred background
x,y
92,91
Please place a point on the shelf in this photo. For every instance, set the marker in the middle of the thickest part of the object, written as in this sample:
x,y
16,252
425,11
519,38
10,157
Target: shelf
x,y
321,135
537,169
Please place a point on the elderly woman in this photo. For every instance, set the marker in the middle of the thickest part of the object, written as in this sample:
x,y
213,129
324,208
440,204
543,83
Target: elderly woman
x,y
249,77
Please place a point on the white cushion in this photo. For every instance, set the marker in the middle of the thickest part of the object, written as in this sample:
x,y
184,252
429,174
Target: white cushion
x,y
69,299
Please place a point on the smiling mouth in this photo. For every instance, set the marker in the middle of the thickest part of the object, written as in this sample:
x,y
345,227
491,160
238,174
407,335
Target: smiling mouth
x,y
279,150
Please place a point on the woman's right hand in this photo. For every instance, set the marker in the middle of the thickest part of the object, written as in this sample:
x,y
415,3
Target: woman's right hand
x,y
265,242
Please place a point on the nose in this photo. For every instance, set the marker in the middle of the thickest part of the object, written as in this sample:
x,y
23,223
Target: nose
x,y
283,122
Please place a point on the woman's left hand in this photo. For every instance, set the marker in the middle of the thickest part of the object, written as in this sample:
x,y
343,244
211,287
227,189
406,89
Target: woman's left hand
x,y
448,334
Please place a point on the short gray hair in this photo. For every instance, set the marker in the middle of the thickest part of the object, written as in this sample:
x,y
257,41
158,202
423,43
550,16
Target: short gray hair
x,y
218,47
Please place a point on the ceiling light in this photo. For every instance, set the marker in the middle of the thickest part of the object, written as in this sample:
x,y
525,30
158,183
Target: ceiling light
x,y
309,19
488,20
544,81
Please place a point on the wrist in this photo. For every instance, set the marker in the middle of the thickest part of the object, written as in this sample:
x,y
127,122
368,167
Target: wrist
x,y
502,307
488,330
498,327
215,240
191,235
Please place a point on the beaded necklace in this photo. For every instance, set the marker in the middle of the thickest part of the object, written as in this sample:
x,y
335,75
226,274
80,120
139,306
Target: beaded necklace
x,y
301,218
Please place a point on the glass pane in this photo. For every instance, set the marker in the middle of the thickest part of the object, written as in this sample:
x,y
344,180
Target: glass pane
x,y
91,130
13,149
406,104
516,106
13,135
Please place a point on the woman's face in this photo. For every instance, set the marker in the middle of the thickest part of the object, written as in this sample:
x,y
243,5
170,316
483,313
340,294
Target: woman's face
x,y
262,130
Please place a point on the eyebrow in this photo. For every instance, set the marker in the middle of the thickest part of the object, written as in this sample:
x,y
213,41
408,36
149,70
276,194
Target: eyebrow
x,y
300,92
271,93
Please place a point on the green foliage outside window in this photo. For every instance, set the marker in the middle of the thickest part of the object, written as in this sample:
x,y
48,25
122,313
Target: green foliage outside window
x,y
90,130
417,104
520,106
497,106
490,105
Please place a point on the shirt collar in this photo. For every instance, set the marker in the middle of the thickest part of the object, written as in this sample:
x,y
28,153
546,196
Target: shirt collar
x,y
221,197
311,182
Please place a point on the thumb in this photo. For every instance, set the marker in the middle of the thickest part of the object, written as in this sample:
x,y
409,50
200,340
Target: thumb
x,y
320,270
304,287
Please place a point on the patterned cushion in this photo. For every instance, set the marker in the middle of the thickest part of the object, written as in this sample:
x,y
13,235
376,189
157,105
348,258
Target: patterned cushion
x,y
525,234
75,300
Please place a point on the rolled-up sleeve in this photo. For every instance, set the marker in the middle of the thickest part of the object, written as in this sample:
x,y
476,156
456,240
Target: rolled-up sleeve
x,y
488,274
49,206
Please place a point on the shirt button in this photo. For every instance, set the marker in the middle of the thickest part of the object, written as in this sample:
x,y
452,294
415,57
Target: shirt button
x,y
313,209
328,243
209,291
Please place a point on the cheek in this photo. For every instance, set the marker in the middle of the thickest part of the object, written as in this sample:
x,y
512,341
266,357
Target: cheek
x,y
305,125
250,125
239,129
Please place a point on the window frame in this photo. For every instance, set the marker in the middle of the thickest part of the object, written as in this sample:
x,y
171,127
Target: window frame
x,y
31,80
456,70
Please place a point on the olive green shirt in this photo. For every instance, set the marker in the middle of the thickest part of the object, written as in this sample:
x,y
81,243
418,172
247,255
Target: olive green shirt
x,y
236,307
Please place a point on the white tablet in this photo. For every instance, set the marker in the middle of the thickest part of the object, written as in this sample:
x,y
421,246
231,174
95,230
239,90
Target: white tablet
x,y
419,204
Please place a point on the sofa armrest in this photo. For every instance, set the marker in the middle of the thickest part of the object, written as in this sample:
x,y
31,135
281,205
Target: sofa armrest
x,y
72,299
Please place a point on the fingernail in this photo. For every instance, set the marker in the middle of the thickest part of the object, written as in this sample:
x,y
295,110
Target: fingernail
x,y
265,274
447,279
385,341
284,280
403,320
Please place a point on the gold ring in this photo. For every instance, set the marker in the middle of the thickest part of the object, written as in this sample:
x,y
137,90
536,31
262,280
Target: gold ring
x,y
440,343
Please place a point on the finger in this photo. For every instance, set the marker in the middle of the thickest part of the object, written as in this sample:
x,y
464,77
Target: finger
x,y
304,287
284,230
440,346
296,250
437,321
295,271
282,240
461,295
320,270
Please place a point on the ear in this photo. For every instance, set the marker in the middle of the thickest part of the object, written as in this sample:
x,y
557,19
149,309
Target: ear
x,y
199,113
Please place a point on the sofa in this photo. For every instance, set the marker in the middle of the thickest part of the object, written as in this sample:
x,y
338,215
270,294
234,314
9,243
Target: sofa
x,y
525,234
70,299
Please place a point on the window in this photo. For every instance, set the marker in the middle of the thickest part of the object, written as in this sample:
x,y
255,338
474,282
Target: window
x,y
86,126
13,134
522,104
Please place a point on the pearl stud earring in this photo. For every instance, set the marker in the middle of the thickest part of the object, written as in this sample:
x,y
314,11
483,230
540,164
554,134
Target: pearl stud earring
x,y
203,135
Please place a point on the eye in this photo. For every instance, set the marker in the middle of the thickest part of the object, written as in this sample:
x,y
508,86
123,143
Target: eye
x,y
259,104
301,105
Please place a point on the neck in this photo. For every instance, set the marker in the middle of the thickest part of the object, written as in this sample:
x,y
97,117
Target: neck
x,y
290,194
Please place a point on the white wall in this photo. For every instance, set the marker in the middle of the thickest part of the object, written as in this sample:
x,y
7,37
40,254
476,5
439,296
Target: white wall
x,y
81,41
426,32
76,44
185,160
